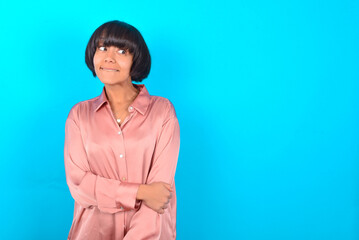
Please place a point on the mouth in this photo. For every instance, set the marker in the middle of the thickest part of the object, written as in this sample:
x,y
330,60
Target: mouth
x,y
109,69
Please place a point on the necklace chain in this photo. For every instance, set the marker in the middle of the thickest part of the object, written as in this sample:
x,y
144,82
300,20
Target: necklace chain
x,y
119,119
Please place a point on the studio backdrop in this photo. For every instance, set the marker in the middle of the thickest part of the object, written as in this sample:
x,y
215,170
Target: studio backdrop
x,y
266,94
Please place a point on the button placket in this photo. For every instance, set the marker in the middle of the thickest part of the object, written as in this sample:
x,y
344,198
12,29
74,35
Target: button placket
x,y
122,161
121,148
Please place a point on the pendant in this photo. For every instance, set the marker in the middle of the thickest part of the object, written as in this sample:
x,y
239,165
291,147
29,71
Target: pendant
x,y
118,120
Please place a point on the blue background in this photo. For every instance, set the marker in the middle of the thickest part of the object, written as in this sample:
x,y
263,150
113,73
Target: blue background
x,y
266,93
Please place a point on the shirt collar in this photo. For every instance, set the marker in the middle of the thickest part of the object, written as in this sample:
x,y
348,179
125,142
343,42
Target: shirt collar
x,y
140,103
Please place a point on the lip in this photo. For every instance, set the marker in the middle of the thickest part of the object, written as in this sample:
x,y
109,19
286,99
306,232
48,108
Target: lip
x,y
109,69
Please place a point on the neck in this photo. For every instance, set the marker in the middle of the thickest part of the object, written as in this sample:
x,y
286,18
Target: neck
x,y
121,94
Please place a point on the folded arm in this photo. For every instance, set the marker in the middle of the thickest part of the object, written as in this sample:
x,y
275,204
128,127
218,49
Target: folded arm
x,y
146,223
88,189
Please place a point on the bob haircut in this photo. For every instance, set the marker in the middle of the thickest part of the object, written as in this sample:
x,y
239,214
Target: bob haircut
x,y
121,35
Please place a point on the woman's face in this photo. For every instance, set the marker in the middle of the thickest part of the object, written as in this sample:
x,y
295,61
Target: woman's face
x,y
112,64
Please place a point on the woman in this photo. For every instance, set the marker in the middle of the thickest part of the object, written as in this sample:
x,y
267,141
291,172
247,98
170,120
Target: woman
x,y
121,148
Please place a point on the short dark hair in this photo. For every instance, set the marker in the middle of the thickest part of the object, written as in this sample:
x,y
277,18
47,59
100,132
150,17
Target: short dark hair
x,y
121,35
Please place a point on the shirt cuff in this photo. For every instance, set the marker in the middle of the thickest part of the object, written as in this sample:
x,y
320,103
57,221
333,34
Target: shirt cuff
x,y
130,191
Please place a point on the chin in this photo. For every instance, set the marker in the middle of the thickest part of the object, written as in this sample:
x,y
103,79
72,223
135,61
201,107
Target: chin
x,y
110,81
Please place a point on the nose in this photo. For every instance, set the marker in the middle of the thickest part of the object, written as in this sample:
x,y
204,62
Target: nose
x,y
109,56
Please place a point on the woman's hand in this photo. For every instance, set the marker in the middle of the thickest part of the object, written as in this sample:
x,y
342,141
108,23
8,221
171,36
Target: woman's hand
x,y
155,195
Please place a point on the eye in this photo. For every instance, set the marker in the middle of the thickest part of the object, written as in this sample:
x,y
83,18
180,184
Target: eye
x,y
122,51
101,48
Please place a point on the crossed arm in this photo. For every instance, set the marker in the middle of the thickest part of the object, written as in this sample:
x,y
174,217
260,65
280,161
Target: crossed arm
x,y
111,195
90,189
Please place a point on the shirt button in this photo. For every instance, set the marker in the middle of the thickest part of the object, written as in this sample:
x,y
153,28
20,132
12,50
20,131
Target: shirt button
x,y
124,179
121,155
119,133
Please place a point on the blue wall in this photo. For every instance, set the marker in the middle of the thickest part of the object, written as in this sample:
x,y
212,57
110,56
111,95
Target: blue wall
x,y
266,93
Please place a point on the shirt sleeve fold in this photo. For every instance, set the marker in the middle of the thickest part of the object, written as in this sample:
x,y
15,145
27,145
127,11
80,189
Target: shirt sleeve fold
x,y
88,189
146,223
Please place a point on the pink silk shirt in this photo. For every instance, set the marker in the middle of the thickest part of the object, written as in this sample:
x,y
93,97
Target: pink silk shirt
x,y
106,163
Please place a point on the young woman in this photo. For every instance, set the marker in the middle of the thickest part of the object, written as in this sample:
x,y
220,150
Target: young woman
x,y
121,148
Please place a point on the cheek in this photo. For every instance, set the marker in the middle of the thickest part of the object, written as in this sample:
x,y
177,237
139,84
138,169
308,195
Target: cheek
x,y
129,64
95,60
125,64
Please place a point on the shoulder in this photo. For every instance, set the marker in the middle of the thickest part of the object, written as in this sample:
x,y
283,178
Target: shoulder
x,y
165,106
81,108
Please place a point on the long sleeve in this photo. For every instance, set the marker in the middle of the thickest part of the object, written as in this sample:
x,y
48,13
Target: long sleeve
x,y
146,223
88,189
